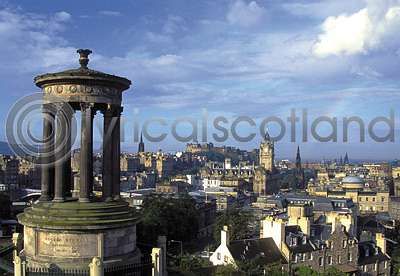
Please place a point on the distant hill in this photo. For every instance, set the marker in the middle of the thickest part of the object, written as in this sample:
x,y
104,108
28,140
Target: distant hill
x,y
5,148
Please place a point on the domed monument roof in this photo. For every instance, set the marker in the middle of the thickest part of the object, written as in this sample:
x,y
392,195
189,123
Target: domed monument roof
x,y
82,74
83,85
353,182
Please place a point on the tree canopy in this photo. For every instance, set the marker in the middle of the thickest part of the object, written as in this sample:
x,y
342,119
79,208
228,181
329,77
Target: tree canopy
x,y
174,217
238,222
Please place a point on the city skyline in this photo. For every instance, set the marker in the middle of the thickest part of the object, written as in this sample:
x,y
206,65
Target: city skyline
x,y
232,58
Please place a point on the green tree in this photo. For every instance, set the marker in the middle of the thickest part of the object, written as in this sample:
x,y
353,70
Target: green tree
x,y
189,263
251,267
275,269
226,270
238,222
174,217
305,271
258,267
396,261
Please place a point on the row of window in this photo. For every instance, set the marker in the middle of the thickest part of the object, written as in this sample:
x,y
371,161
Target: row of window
x,y
370,208
330,259
373,199
302,257
375,266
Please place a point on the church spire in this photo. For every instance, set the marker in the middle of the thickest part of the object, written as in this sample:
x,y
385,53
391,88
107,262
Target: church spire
x,y
267,137
346,159
299,172
298,158
141,144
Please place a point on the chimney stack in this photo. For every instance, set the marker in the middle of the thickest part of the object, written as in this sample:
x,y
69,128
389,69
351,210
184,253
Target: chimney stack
x,y
381,242
225,236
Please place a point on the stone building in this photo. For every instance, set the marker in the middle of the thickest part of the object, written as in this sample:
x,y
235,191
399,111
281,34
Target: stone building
x,y
172,187
130,163
267,154
11,172
266,178
379,170
394,208
368,200
323,243
265,182
145,180
232,252
164,165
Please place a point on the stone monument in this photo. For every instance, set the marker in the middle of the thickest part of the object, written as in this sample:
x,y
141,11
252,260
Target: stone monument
x,y
60,230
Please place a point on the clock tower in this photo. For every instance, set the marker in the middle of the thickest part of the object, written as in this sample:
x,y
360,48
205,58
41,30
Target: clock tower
x,y
266,155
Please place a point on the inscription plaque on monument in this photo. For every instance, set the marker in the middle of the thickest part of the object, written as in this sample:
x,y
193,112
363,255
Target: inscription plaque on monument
x,y
67,245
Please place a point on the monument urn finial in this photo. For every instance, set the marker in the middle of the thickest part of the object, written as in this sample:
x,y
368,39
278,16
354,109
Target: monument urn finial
x,y
84,57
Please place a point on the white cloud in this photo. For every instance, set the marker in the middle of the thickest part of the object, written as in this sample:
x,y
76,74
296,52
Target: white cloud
x,y
245,15
371,28
323,8
62,16
110,13
174,24
31,42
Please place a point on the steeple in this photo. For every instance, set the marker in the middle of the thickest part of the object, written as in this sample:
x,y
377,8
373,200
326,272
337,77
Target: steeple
x,y
298,158
267,138
346,159
141,144
299,172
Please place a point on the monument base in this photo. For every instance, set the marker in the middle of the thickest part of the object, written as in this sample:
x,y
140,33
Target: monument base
x,y
70,234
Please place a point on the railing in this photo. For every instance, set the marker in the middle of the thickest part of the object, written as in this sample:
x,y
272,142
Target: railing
x,y
144,268
40,271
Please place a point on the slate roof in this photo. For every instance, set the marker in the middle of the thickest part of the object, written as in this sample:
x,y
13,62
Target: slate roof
x,y
321,232
302,246
369,253
249,249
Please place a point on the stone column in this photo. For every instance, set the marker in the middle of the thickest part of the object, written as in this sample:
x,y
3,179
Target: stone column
x,y
47,170
60,153
67,165
107,188
116,151
86,170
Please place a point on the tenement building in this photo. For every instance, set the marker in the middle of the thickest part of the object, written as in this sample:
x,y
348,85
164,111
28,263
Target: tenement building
x,y
368,200
325,241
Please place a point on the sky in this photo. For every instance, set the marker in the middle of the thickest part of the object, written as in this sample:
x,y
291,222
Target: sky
x,y
231,58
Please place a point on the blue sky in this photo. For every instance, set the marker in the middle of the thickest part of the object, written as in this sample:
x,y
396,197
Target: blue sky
x,y
231,57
